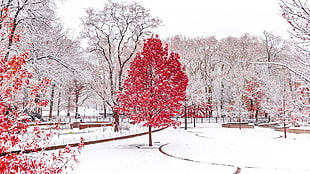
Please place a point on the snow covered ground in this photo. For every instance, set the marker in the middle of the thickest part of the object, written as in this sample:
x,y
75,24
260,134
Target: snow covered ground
x,y
66,135
209,148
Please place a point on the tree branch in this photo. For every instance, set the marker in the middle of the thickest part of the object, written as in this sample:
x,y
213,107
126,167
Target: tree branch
x,y
299,74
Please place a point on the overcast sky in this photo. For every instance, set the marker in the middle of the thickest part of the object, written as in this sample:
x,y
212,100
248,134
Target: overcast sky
x,y
220,18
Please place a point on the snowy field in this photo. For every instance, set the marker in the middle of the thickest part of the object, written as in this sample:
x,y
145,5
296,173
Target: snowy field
x,y
209,148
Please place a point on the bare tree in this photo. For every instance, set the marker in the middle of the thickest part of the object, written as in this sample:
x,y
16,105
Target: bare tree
x,y
114,34
200,56
26,14
276,50
52,52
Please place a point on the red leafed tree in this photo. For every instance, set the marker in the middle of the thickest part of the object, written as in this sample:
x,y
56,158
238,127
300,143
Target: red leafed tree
x,y
253,97
304,101
155,87
15,79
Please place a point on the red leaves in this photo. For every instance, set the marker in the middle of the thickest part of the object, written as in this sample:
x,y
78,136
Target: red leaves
x,y
155,86
253,95
14,80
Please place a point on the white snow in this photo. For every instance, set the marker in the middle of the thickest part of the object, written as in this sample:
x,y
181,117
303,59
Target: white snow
x,y
70,136
208,148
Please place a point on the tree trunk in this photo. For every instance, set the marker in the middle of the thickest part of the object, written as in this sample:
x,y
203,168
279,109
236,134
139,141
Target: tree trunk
x,y
104,110
58,104
210,101
116,121
52,101
69,103
150,136
284,129
239,121
185,116
256,115
222,94
77,104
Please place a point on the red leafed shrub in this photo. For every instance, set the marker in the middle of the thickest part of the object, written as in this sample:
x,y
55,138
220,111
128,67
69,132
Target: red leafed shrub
x,y
253,97
14,146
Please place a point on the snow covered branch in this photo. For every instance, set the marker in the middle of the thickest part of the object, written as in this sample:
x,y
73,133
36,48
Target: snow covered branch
x,y
301,75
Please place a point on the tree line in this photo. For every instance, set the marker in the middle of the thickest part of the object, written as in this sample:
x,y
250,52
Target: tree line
x,y
237,76
246,76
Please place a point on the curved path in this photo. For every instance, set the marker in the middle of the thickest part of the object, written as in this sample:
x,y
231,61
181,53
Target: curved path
x,y
191,159
216,164
196,161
